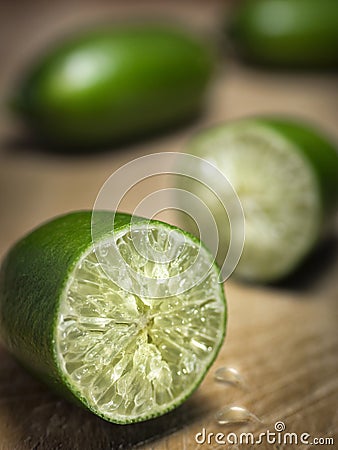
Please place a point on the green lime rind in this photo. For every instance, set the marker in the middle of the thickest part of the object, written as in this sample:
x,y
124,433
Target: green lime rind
x,y
287,33
33,281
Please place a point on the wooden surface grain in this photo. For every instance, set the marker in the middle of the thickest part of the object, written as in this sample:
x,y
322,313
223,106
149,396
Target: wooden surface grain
x,y
282,339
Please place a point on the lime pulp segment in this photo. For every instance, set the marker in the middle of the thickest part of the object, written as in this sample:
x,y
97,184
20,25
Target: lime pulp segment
x,y
131,357
278,191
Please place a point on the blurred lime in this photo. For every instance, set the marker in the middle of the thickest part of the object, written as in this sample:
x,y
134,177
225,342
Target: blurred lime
x,y
125,357
290,33
113,84
286,176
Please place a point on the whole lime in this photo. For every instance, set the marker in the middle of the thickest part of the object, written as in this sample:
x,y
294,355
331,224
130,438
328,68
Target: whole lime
x,y
286,33
115,84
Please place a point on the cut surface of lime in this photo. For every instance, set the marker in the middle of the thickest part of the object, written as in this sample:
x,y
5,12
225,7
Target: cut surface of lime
x,y
134,357
279,187
126,357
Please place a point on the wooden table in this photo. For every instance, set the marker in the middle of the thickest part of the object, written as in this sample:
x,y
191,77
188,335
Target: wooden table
x,y
282,339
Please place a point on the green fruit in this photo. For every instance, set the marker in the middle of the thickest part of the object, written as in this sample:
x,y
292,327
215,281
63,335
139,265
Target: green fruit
x,y
115,84
286,176
290,33
126,357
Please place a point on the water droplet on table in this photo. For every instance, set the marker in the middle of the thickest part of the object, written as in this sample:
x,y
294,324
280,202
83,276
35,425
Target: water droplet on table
x,y
236,415
230,375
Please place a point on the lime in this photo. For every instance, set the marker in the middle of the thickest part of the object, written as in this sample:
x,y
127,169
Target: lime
x,y
290,33
113,84
124,356
286,176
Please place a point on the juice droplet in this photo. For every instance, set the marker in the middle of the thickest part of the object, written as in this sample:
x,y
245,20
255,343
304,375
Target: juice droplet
x,y
230,375
236,415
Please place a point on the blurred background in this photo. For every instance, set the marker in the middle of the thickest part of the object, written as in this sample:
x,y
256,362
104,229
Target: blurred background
x,y
37,184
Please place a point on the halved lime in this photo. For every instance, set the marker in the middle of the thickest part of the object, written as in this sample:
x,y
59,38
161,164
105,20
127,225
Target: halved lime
x,y
124,356
286,176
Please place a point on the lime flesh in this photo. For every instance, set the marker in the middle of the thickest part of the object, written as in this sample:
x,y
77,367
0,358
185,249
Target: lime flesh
x,y
130,357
